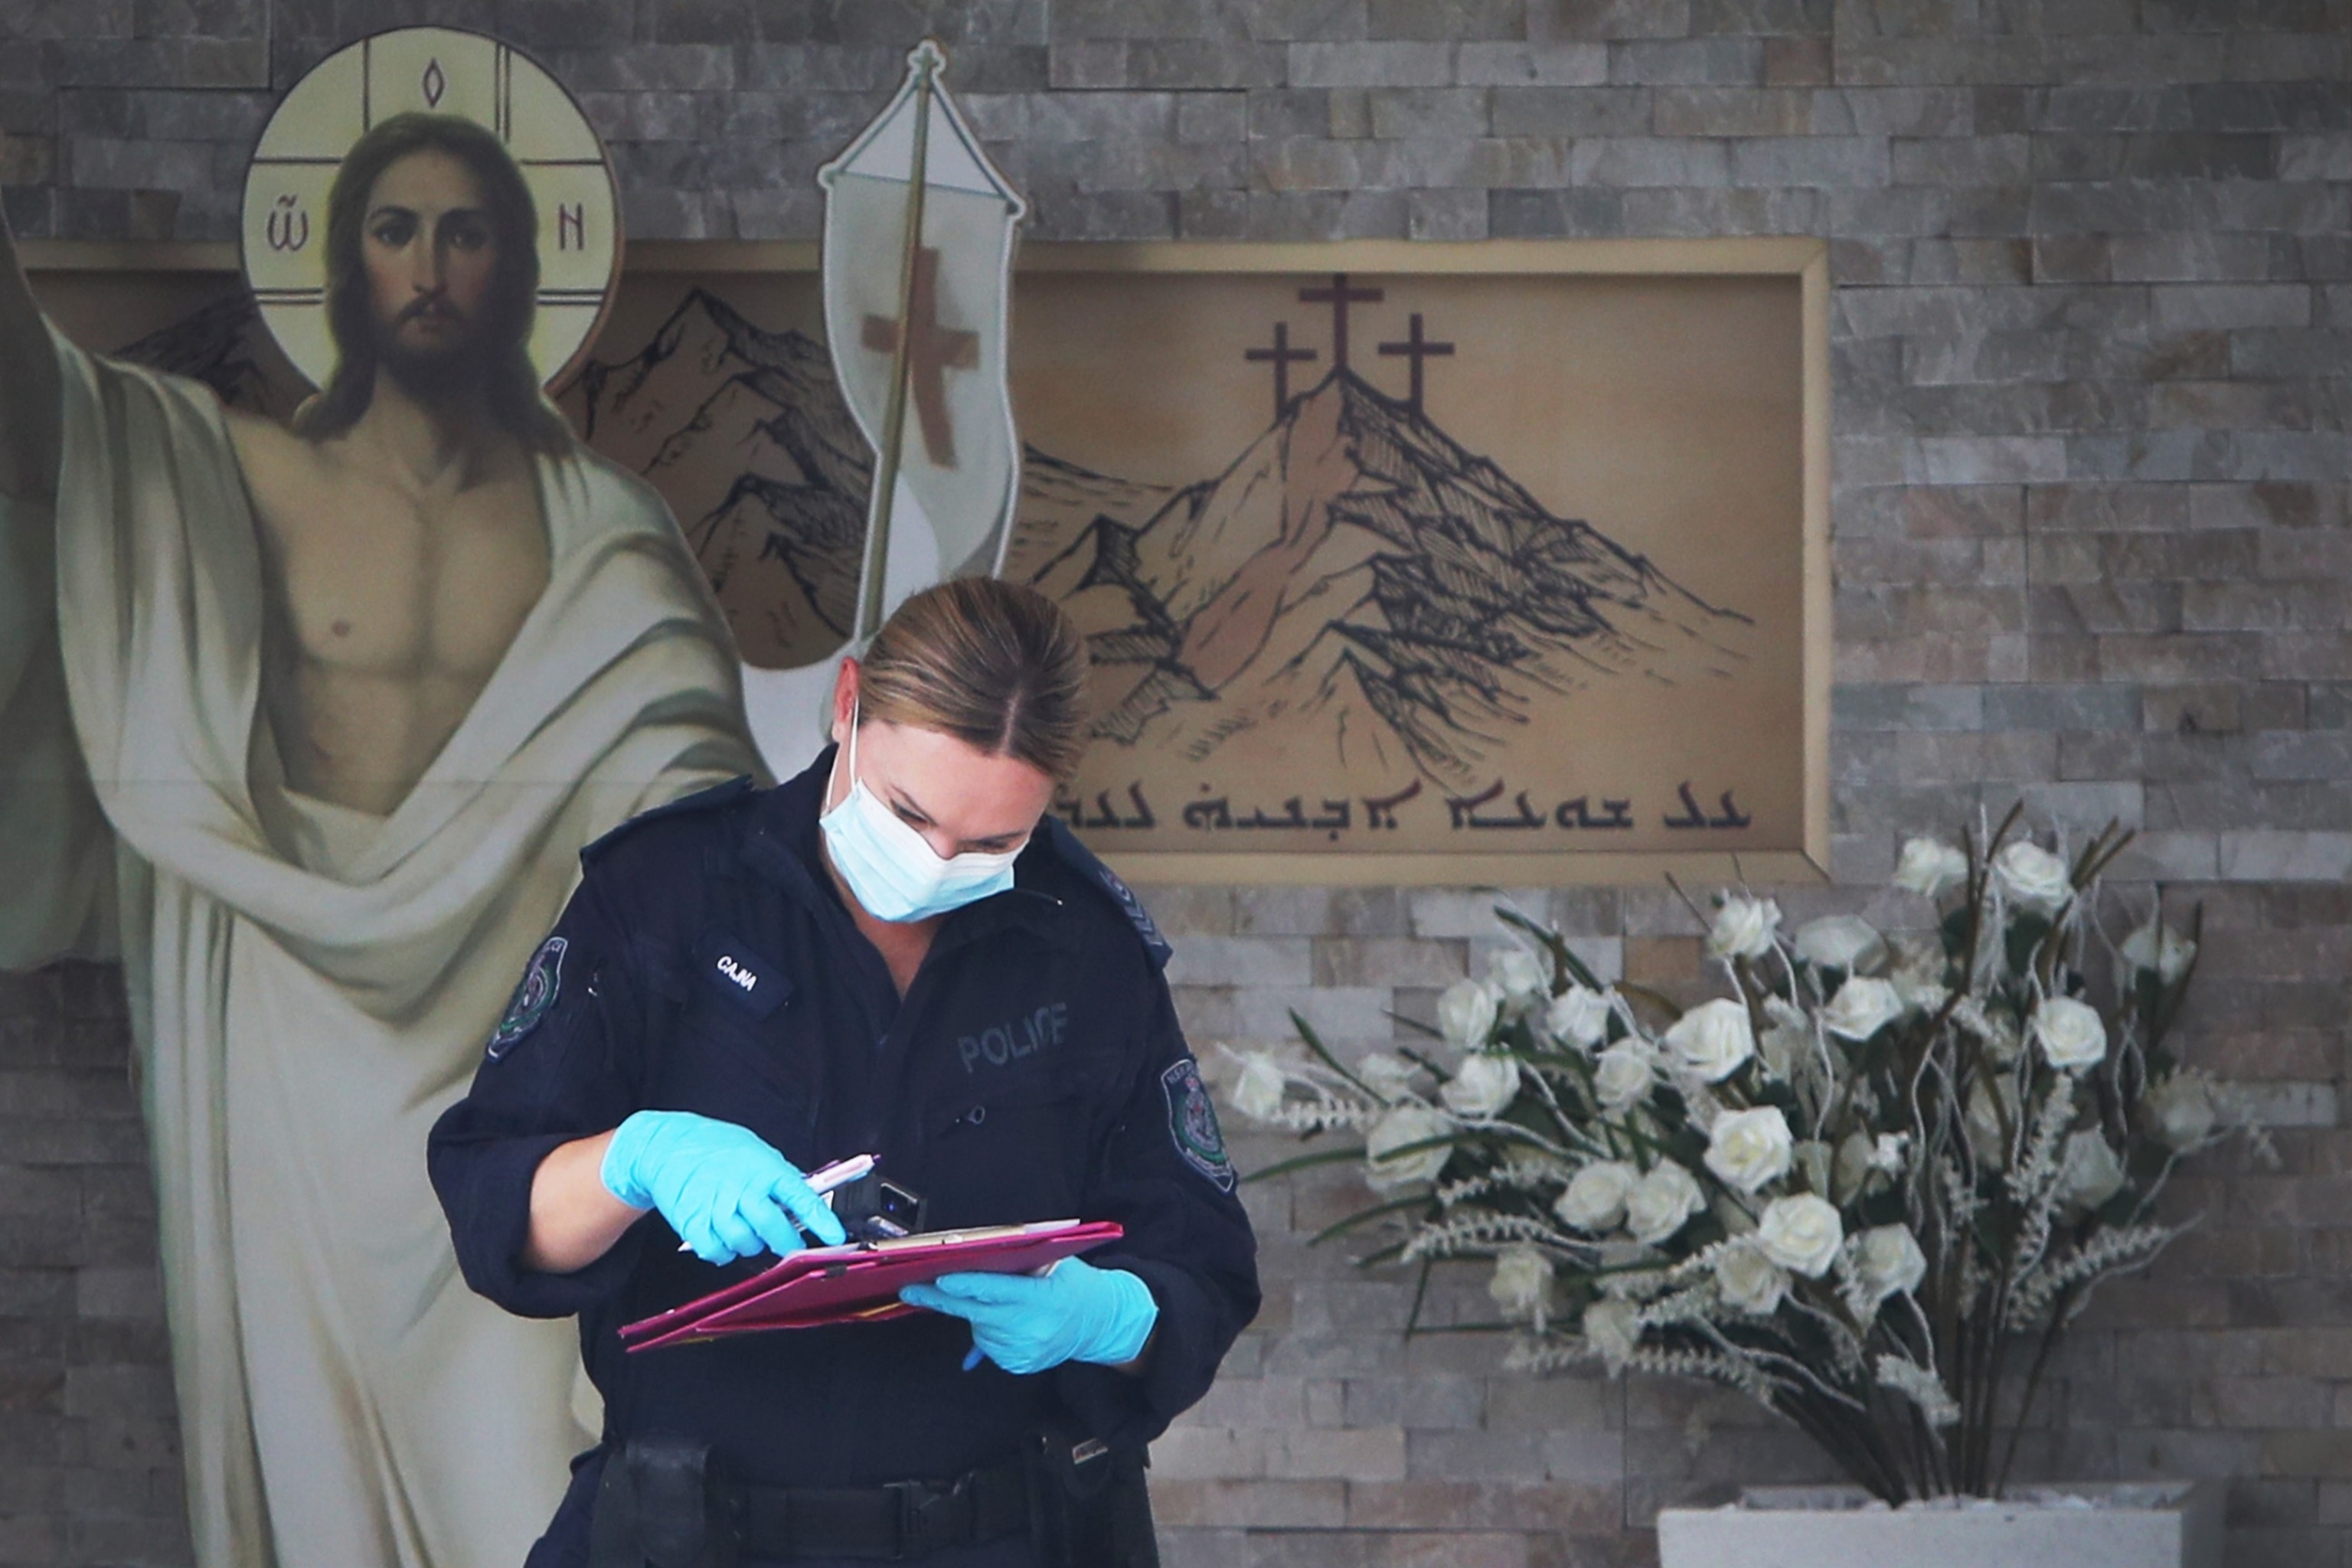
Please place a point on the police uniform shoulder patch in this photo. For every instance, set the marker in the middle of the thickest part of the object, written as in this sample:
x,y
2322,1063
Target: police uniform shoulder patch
x,y
1192,1123
1086,863
700,800
532,998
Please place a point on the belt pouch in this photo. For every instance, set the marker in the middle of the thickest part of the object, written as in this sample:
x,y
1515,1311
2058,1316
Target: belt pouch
x,y
1088,1507
658,1506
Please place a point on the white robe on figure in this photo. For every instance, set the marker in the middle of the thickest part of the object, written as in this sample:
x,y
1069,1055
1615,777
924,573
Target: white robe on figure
x,y
310,985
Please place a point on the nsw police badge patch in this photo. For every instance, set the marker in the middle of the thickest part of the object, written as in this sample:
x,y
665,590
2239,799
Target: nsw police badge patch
x,y
1192,1123
532,998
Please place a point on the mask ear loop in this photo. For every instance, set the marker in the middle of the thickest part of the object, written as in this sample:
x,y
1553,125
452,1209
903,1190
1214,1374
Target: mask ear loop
x,y
852,750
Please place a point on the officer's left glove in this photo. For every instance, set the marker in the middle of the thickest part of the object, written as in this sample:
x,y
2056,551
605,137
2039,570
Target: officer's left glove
x,y
1027,1323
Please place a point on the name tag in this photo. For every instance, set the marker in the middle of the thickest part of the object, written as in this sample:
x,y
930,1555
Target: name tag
x,y
743,976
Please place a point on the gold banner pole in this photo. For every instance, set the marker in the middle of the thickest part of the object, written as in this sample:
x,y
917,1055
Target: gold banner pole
x,y
894,418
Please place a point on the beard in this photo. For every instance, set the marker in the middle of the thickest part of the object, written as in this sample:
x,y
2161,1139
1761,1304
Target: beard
x,y
437,374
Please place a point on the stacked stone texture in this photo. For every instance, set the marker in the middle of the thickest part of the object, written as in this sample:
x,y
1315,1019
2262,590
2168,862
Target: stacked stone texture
x,y
2093,304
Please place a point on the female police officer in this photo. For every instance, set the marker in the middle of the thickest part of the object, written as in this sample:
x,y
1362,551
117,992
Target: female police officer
x,y
895,952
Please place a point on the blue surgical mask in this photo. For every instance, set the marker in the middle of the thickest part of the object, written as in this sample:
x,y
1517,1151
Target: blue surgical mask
x,y
891,868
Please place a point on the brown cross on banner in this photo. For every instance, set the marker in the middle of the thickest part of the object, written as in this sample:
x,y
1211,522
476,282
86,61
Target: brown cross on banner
x,y
1417,349
1284,356
1337,297
931,351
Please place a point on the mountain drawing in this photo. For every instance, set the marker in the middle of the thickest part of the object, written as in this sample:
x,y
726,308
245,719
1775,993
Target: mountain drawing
x,y
216,344
1356,583
744,434
1355,588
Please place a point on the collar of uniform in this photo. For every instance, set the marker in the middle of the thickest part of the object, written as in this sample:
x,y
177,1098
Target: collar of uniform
x,y
780,841
782,844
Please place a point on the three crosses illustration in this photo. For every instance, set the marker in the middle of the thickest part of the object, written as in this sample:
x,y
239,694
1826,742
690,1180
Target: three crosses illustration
x,y
1338,295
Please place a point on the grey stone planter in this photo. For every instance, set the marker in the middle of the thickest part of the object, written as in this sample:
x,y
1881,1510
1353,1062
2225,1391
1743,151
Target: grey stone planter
x,y
2163,1524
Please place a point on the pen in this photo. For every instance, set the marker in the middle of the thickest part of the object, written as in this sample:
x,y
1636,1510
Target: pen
x,y
824,1179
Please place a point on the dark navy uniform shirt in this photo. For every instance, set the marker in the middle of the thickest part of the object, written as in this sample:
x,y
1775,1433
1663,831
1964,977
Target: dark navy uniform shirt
x,y
1034,1070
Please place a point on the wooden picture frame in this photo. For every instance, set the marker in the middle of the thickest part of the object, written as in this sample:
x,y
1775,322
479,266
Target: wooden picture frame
x,y
1797,848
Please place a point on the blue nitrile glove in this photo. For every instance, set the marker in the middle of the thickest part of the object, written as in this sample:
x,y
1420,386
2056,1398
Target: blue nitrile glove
x,y
1024,1322
726,1193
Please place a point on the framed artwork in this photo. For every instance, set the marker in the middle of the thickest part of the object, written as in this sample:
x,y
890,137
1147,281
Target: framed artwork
x,y
1503,563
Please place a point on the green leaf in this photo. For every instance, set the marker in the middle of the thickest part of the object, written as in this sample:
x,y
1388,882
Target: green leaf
x,y
1305,1161
1362,1216
1563,959
1429,1064
1315,1043
1432,1030
1420,1294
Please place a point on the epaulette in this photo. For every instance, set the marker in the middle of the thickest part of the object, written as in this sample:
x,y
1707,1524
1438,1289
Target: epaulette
x,y
716,795
1090,867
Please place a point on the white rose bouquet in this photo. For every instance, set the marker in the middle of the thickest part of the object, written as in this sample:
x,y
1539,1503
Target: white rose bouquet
x,y
1850,1189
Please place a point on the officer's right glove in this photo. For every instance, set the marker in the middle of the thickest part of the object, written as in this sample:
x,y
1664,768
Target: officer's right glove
x,y
726,1193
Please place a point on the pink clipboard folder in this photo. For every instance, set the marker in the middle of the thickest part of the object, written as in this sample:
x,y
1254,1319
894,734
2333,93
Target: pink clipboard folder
x,y
860,1284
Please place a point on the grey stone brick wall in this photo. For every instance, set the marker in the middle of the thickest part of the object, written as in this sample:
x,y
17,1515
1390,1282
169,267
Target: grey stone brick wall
x,y
2093,301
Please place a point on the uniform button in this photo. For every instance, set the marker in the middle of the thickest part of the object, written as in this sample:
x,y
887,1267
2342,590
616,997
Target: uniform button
x,y
976,1115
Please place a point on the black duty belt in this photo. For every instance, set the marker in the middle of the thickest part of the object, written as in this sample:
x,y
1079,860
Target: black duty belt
x,y
902,1519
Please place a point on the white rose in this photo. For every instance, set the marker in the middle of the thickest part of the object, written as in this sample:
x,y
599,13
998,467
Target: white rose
x,y
1929,868
2032,876
1482,1086
1750,1281
1749,1148
1257,1092
1613,1328
1841,941
1623,1074
1595,1198
2159,948
1802,1234
1888,1261
1920,992
2090,1174
1743,928
1712,1040
1385,1075
1662,1202
2070,1033
1400,1128
1578,1017
1466,1014
1522,1282
2182,1110
1862,1007
1514,972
